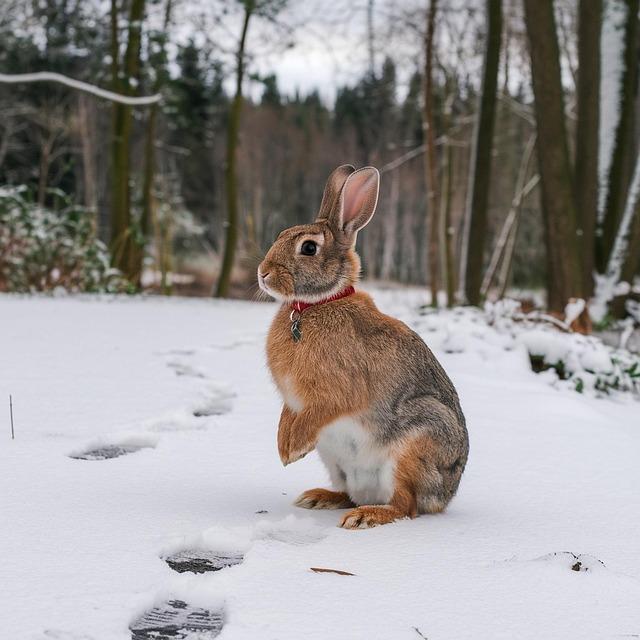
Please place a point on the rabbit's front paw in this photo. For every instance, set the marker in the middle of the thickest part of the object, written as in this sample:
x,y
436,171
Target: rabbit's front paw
x,y
323,499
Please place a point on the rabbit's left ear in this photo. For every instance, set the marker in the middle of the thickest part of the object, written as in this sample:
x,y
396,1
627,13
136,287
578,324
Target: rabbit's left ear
x,y
358,200
333,189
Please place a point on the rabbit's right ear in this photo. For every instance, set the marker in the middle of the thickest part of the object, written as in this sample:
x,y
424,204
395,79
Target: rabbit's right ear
x,y
333,189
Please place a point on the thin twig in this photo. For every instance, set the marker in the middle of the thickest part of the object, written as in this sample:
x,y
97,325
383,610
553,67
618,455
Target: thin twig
x,y
338,571
13,435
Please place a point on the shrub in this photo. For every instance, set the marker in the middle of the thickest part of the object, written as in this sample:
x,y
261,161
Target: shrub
x,y
42,249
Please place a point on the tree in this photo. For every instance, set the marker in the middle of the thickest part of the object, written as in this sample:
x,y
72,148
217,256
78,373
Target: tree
x,y
124,75
564,273
431,158
480,174
231,178
587,130
622,159
161,74
605,289
267,9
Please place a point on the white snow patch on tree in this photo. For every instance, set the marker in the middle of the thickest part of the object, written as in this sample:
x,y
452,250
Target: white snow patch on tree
x,y
607,285
611,72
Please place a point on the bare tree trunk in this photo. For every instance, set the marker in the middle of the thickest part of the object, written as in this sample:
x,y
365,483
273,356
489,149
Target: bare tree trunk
x,y
631,263
449,231
586,160
480,175
620,251
622,161
431,159
507,260
122,230
231,179
87,143
148,201
43,171
391,227
6,139
370,38
564,274
521,191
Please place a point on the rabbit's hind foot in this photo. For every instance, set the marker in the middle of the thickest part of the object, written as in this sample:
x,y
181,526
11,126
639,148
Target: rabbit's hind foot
x,y
371,516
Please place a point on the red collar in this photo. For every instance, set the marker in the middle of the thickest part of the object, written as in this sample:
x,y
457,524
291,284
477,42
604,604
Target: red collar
x,y
301,306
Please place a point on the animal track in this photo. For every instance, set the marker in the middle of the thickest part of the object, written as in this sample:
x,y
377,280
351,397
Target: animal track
x,y
184,369
290,530
218,401
239,342
109,451
202,561
177,620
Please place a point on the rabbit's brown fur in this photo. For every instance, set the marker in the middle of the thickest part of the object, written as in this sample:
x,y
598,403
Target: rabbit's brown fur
x,y
359,385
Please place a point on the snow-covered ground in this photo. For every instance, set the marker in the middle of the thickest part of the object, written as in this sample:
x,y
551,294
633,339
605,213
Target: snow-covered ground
x,y
550,471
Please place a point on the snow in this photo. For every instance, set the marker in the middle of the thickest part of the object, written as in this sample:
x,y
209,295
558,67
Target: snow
x,y
552,481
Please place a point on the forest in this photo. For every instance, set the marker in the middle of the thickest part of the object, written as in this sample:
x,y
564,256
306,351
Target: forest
x,y
505,131
453,437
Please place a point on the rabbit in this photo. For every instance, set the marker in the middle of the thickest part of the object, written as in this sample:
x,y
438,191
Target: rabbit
x,y
358,386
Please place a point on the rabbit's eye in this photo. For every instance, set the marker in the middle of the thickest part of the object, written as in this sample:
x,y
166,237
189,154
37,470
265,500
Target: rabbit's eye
x,y
308,248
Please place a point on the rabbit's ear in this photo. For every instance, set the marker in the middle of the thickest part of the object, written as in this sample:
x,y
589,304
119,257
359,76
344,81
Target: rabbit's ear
x,y
333,189
358,200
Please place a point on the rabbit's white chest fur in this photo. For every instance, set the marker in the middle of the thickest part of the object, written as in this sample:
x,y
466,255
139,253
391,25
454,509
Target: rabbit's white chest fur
x,y
356,463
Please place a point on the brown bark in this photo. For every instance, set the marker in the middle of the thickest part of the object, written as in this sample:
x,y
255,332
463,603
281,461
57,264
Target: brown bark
x,y
123,235
87,142
43,169
481,168
231,179
588,107
148,200
431,160
391,228
564,274
449,231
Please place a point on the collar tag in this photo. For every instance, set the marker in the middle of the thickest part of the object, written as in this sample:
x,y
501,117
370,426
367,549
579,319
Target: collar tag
x,y
297,308
295,330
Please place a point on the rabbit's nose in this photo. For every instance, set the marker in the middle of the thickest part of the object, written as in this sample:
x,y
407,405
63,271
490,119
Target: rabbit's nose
x,y
263,275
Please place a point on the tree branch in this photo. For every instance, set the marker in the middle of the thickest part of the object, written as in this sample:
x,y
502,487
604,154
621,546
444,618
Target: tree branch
x,y
49,76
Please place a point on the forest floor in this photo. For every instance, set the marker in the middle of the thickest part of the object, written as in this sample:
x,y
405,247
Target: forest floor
x,y
146,428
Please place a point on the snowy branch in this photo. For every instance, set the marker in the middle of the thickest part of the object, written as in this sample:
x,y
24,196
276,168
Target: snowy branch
x,y
48,76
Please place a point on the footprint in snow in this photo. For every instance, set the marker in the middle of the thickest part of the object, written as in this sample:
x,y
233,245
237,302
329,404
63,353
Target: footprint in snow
x,y
202,560
242,341
175,424
180,352
176,619
184,369
217,401
109,451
